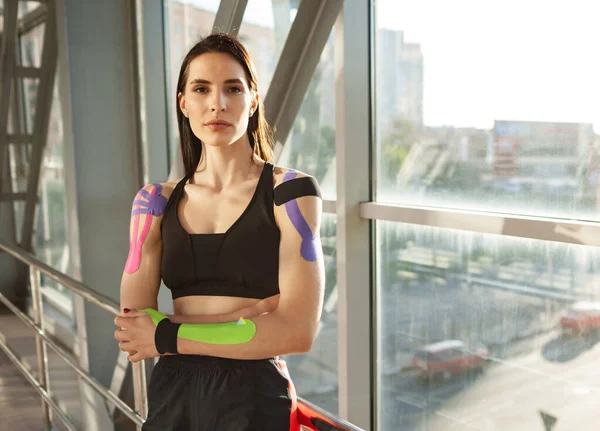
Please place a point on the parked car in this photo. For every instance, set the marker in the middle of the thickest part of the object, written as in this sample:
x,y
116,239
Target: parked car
x,y
448,358
581,317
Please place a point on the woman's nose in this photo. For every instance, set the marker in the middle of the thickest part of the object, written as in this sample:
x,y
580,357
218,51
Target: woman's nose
x,y
218,102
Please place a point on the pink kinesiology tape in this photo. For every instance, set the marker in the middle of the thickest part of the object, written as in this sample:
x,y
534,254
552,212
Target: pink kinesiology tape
x,y
153,206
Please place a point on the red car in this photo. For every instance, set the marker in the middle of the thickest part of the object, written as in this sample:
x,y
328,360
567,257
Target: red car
x,y
448,358
581,317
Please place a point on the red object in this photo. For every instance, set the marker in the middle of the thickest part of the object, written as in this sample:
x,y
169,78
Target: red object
x,y
126,310
448,356
307,415
582,317
302,415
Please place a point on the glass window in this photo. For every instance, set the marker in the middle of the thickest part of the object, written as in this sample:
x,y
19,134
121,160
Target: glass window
x,y
32,46
502,306
310,146
315,374
188,21
263,32
50,242
498,115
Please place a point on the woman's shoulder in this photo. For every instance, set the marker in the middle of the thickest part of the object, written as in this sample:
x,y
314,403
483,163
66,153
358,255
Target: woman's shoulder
x,y
281,174
159,188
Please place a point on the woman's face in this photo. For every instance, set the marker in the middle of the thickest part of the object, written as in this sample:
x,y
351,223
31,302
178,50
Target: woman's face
x,y
217,99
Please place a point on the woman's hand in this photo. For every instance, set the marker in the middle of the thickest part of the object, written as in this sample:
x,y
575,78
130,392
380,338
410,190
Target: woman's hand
x,y
136,336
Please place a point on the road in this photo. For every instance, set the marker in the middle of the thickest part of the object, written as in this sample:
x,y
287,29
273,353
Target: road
x,y
560,376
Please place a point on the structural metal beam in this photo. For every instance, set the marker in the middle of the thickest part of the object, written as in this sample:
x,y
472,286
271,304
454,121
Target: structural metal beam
x,y
45,90
229,16
32,19
299,58
7,66
354,274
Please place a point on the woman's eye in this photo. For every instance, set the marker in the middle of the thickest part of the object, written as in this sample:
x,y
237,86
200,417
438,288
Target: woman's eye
x,y
201,90
235,90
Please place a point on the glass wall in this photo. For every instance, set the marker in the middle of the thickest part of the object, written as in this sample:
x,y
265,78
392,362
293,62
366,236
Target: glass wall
x,y
50,231
494,114
315,374
310,146
500,114
263,32
485,332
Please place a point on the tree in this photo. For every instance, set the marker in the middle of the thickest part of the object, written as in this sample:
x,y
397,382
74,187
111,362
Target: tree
x,y
394,149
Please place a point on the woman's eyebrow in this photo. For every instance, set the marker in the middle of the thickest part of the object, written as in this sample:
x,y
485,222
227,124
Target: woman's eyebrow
x,y
227,81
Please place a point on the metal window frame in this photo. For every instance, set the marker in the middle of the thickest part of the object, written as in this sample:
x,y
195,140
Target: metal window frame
x,y
354,235
41,121
7,66
521,226
32,19
150,64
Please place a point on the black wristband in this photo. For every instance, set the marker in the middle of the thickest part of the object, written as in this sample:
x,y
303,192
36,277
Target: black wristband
x,y
165,337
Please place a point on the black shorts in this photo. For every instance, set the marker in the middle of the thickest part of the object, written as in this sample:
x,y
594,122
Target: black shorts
x,y
204,393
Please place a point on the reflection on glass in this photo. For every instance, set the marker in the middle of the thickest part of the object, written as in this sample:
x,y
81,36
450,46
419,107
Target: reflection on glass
x,y
480,331
315,373
499,115
310,146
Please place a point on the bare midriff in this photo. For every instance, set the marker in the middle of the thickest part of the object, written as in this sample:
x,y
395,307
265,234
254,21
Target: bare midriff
x,y
211,305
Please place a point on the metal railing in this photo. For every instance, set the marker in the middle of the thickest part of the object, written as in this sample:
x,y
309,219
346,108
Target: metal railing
x,y
36,267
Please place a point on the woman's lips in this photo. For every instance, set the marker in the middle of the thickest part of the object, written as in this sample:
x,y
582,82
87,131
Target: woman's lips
x,y
218,126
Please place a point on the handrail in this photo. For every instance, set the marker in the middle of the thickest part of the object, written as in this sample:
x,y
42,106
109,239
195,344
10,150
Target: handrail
x,y
140,390
66,357
139,370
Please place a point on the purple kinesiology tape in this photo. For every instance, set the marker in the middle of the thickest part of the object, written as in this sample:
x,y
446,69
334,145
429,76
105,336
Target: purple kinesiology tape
x,y
156,203
310,243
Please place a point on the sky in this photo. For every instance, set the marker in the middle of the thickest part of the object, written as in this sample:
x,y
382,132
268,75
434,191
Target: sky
x,y
503,59
530,60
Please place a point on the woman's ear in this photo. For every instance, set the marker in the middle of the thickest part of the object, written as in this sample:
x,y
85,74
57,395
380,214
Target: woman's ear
x,y
181,98
254,104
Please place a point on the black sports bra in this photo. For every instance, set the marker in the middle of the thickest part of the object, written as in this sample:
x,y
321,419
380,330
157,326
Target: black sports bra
x,y
242,262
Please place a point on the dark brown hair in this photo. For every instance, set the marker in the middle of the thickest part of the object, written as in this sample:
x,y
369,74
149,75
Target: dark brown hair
x,y
259,132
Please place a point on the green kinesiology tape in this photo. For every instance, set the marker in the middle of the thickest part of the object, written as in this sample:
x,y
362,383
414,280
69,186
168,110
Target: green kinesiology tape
x,y
238,332
155,315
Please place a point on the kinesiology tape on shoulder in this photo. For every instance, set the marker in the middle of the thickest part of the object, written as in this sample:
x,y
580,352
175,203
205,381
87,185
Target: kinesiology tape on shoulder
x,y
238,332
295,188
286,194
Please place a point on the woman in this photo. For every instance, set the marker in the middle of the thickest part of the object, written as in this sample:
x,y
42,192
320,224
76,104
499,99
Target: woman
x,y
237,243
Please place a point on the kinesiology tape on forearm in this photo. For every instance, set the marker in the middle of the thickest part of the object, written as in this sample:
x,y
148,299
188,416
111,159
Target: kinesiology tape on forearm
x,y
167,332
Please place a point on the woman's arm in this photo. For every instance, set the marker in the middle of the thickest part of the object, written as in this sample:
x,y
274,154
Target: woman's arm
x,y
292,326
141,277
